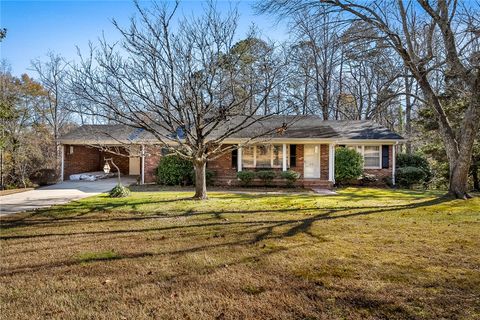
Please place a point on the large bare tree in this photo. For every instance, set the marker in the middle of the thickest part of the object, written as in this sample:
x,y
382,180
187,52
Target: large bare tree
x,y
176,78
438,43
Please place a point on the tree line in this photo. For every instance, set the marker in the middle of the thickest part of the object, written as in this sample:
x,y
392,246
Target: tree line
x,y
412,66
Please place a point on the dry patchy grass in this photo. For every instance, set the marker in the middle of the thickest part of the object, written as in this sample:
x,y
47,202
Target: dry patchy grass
x,y
366,253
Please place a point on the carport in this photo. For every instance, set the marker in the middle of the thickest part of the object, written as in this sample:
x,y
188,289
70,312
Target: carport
x,y
87,148
84,158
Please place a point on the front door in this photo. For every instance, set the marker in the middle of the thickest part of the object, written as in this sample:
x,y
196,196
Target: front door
x,y
134,166
311,161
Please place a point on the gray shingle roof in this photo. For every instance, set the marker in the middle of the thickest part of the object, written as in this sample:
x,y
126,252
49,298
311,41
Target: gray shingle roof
x,y
298,127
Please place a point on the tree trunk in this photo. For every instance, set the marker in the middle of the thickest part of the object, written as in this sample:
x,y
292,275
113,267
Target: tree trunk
x,y
408,115
200,180
458,148
458,179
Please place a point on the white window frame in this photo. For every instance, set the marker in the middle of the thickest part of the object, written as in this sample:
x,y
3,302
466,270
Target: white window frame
x,y
363,154
271,158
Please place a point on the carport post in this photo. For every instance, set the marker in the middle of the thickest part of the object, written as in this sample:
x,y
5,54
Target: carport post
x,y
62,163
142,179
239,159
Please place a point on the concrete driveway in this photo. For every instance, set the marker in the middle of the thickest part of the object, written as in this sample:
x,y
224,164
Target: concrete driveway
x,y
59,193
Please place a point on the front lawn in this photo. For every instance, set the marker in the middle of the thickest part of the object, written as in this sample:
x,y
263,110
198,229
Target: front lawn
x,y
365,253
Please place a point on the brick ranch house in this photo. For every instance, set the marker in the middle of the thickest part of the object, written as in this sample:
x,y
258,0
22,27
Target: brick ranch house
x,y
307,146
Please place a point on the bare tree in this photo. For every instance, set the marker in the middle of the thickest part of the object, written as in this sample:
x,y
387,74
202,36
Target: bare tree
x,y
55,112
318,53
183,87
451,27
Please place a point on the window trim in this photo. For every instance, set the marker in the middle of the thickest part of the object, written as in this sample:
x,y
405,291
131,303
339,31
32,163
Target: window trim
x,y
271,157
379,166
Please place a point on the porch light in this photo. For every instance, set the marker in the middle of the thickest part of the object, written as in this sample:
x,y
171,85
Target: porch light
x,y
106,167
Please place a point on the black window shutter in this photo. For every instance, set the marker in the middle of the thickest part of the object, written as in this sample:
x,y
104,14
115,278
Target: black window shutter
x,y
341,145
293,155
234,158
385,157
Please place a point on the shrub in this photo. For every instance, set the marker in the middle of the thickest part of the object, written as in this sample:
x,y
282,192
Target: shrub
x,y
388,181
119,191
368,178
348,164
266,176
404,160
408,176
173,170
44,177
245,177
209,177
414,160
290,176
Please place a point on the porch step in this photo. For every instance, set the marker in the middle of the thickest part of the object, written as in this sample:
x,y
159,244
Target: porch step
x,y
315,183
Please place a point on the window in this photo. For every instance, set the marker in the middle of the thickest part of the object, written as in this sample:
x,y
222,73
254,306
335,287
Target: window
x,y
248,157
371,155
277,156
263,156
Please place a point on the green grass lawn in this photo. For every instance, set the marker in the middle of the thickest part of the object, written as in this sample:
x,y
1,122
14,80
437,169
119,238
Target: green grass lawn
x,y
365,253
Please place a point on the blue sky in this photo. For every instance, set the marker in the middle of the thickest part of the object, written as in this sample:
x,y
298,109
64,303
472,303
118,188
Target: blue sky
x,y
37,27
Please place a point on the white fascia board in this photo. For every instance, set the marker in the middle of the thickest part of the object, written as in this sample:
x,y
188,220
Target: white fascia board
x,y
111,142
240,141
313,141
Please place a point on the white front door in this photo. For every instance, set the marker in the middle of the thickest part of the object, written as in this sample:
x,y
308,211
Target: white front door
x,y
311,161
134,166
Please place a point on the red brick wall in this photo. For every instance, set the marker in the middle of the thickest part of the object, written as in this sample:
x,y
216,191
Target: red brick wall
x,y
122,162
153,154
83,159
225,173
324,158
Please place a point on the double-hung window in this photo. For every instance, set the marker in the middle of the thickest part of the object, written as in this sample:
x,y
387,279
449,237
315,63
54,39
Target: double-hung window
x,y
263,156
372,155
248,156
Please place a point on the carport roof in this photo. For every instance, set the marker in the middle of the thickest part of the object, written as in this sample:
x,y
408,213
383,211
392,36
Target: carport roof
x,y
298,128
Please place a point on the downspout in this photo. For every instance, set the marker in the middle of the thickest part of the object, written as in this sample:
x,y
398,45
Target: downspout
x,y
239,159
331,162
284,157
393,163
62,164
142,178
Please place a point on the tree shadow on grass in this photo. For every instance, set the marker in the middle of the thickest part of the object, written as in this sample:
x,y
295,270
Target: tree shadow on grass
x,y
303,224
254,233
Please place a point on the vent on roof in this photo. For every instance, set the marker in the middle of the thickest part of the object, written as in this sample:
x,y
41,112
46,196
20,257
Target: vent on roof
x,y
180,133
134,135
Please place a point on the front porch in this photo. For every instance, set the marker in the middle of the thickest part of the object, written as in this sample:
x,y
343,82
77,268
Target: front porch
x,y
314,162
